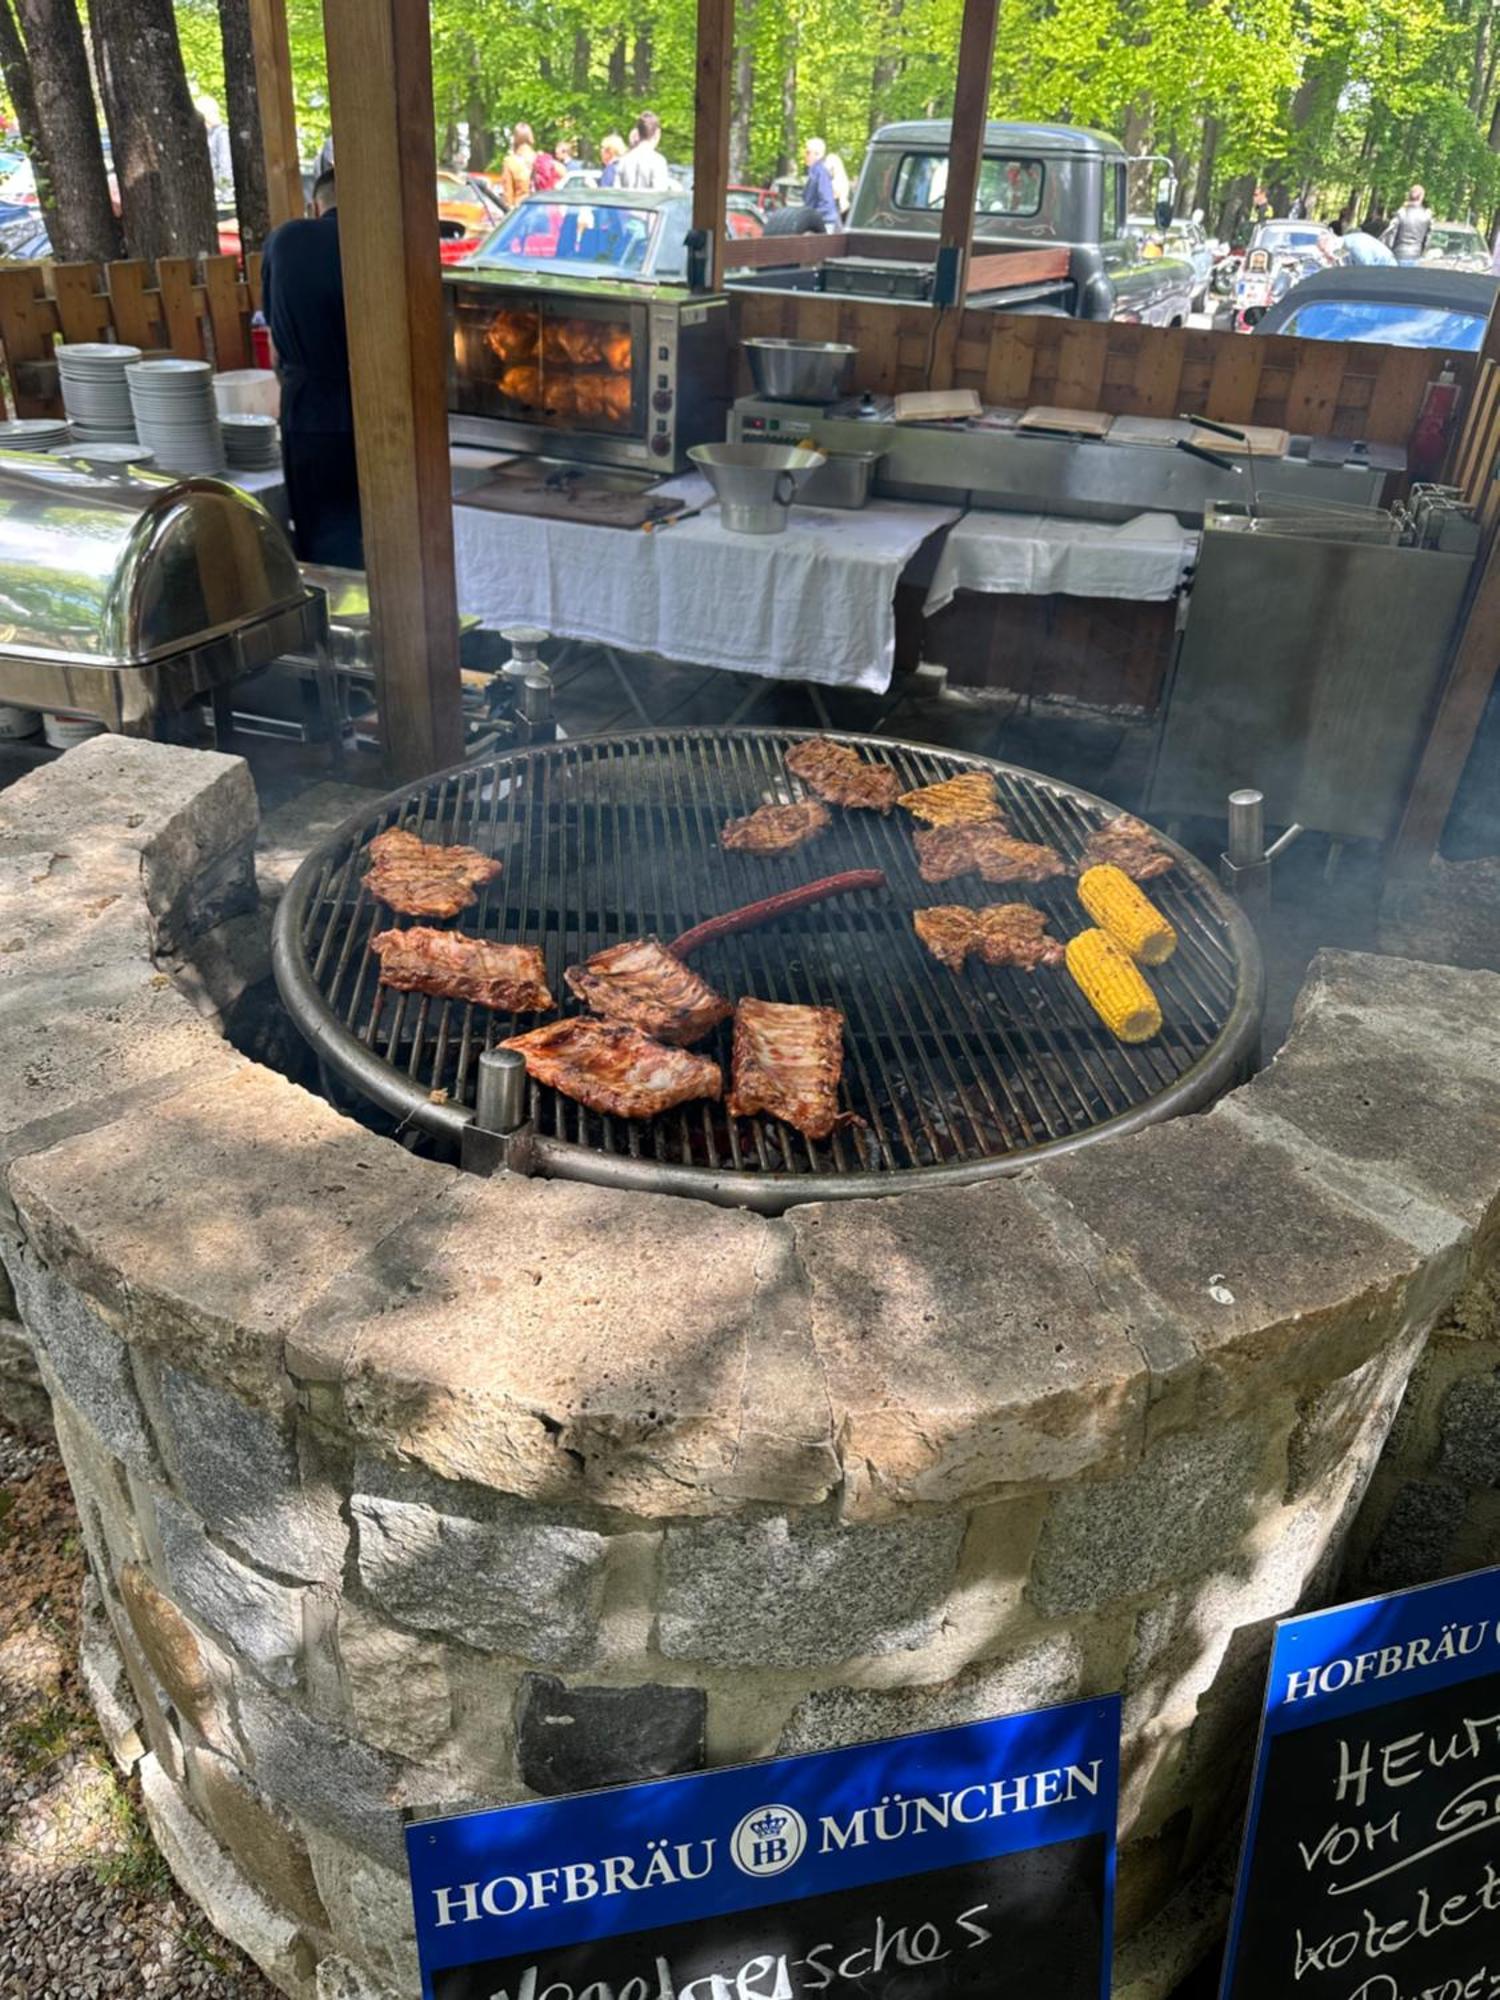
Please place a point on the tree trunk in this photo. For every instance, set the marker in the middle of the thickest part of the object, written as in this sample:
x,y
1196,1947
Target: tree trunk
x,y
887,65
1203,187
72,185
642,64
582,56
242,109
617,69
742,98
787,163
160,147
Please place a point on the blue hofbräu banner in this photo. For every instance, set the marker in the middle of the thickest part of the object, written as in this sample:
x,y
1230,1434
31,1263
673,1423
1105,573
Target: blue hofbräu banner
x,y
962,1861
1371,1861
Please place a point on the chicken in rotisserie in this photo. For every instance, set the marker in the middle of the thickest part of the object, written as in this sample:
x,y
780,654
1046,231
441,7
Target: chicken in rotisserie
x,y
512,335
615,1069
643,984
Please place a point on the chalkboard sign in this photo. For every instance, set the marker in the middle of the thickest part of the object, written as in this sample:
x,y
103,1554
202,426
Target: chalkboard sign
x,y
1371,1864
975,1860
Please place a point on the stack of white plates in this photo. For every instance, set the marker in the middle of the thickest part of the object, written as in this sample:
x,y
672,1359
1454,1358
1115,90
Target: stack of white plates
x,y
95,393
252,442
33,434
104,455
175,414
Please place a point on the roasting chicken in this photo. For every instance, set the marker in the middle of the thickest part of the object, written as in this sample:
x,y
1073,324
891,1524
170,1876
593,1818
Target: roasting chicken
x,y
776,829
421,880
842,776
617,348
513,336
523,384
960,801
985,849
642,984
1127,844
787,1062
1000,934
511,978
615,1069
573,343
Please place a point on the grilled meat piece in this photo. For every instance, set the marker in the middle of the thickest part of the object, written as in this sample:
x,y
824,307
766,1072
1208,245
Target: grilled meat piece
x,y
987,850
1001,933
961,801
1127,844
420,880
511,978
614,1069
776,829
642,984
787,1062
842,776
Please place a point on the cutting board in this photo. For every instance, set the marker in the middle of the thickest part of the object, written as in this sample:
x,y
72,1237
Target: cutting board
x,y
519,488
1261,441
931,406
1076,423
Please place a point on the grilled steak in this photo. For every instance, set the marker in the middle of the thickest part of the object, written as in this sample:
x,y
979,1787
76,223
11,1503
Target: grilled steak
x,y
420,880
960,801
615,1069
511,978
776,829
1130,846
987,850
787,1062
842,776
1001,933
642,984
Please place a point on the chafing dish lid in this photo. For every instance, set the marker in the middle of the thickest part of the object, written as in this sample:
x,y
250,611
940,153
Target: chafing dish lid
x,y
126,566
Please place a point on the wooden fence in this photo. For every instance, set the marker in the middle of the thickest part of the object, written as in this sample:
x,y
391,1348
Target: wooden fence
x,y
196,308
1326,387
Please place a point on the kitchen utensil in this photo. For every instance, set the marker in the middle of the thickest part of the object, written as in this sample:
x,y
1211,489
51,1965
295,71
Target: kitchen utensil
x,y
756,483
936,406
1072,423
844,480
799,371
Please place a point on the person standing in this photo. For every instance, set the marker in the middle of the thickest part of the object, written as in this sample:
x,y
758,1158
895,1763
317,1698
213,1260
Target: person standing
x,y
611,152
515,168
643,166
1410,226
843,189
220,158
546,171
817,189
302,296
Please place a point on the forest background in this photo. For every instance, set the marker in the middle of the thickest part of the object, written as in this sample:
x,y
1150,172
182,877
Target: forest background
x,y
1342,102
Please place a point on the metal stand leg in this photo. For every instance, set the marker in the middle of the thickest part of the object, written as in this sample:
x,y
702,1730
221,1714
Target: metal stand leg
x,y
223,703
330,706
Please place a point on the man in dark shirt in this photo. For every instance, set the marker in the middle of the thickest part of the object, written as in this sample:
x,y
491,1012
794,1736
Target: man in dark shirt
x,y
302,295
817,189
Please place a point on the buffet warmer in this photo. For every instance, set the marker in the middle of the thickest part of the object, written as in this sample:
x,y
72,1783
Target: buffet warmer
x,y
1107,469
128,596
597,370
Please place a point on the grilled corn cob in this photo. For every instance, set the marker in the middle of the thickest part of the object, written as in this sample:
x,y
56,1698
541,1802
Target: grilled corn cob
x,y
1132,920
1106,975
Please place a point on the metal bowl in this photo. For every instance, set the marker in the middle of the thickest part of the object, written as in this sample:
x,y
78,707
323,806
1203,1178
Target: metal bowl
x,y
799,371
756,483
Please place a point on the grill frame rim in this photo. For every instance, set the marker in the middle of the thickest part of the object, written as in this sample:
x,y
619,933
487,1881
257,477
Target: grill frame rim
x,y
1227,1060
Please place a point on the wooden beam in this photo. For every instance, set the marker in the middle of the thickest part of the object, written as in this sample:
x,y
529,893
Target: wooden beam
x,y
380,84
1476,657
971,105
761,253
1014,267
278,112
711,96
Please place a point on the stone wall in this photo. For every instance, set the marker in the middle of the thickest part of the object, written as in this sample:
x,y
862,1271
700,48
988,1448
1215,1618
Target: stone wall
x,y
403,1489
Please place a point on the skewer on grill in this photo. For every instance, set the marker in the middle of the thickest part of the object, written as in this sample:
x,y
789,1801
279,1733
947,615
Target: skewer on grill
x,y
750,916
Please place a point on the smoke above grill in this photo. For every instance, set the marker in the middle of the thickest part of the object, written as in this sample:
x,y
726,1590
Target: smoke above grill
x,y
951,1077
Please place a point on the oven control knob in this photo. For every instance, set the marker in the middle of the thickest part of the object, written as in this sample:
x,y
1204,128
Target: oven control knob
x,y
662,400
661,444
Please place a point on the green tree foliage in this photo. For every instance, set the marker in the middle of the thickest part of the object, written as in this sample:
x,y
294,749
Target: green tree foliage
x,y
1344,100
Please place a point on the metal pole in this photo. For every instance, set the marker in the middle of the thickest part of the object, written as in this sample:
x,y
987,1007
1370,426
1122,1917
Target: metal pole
x,y
1247,828
500,1098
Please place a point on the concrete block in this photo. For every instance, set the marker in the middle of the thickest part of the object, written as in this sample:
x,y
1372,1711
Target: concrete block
x,y
574,1739
775,1592
257,1618
266,1843
369,1907
88,1359
396,1686
322,1776
491,1572
194,1674
106,1682
1470,1450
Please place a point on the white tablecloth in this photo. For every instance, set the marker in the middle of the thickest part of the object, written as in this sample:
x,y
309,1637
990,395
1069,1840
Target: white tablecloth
x,y
813,604
1030,555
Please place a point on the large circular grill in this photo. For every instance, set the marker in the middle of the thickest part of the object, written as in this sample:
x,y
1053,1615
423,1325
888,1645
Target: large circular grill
x,y
954,1077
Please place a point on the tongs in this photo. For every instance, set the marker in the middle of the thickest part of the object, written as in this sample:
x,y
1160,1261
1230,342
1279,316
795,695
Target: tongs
x,y
1218,458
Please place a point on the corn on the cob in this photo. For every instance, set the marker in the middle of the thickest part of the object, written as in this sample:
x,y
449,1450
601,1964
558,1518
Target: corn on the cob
x,y
1132,919
1106,975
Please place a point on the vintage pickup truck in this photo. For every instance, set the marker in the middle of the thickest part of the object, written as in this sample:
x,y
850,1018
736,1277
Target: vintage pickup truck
x,y
1050,233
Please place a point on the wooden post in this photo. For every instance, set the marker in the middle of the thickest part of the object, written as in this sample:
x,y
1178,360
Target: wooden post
x,y
278,115
380,83
1460,710
711,97
971,104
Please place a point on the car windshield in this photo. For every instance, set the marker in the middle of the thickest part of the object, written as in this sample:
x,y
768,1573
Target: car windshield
x,y
1006,187
1456,243
1285,236
1387,322
574,236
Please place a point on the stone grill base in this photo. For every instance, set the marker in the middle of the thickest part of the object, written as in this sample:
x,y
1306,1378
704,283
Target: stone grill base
x,y
402,1489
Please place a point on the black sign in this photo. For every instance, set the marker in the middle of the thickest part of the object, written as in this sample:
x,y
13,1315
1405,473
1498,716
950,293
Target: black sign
x,y
1371,1868
977,1860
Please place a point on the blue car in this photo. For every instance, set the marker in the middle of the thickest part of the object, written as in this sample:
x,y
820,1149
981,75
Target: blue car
x,y
1410,305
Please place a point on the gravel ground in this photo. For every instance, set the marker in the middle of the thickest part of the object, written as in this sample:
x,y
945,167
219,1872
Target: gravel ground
x,y
87,1907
